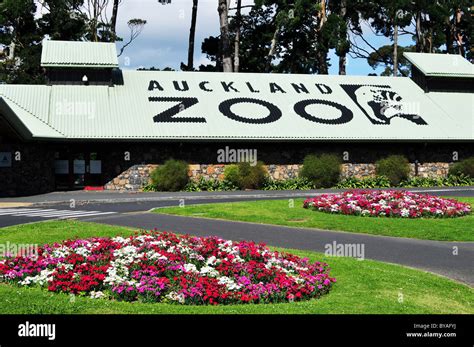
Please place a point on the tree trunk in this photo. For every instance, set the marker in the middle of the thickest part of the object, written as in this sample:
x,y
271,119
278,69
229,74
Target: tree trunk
x,y
458,36
192,35
395,50
420,44
342,57
320,54
238,18
271,52
448,32
223,10
113,20
94,21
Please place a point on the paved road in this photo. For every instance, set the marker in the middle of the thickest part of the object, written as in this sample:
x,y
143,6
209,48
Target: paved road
x,y
130,210
123,197
135,202
431,256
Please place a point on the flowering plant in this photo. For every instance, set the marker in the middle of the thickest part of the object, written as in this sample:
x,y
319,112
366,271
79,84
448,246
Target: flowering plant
x,y
388,203
165,267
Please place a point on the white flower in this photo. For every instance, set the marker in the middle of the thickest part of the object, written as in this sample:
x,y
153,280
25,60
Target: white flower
x,y
97,295
211,260
229,283
176,297
191,268
43,277
209,271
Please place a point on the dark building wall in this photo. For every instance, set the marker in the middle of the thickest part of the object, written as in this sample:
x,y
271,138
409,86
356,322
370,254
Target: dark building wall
x,y
31,170
34,172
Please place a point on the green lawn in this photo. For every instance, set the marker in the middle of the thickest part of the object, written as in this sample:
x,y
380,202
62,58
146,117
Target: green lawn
x,y
362,286
280,212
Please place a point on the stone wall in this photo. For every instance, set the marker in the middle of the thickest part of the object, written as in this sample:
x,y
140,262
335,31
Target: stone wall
x,y
127,165
133,179
138,176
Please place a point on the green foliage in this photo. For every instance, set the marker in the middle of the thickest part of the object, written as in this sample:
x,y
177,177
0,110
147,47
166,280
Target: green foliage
x,y
364,183
464,167
384,57
209,185
231,174
395,167
171,176
323,170
19,31
450,181
298,183
251,177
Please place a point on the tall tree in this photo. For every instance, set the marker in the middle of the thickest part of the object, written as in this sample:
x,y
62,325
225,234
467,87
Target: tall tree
x,y
113,20
388,17
20,34
62,20
225,49
192,35
238,20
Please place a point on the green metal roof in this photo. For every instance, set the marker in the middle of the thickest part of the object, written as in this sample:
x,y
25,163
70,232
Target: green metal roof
x,y
244,106
79,54
441,65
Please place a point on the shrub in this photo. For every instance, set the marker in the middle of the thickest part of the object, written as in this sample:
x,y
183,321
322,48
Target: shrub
x,y
231,174
323,171
209,185
298,183
251,177
364,183
171,176
464,167
395,167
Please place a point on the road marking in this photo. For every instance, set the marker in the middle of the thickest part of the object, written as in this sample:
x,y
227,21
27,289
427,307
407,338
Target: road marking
x,y
49,213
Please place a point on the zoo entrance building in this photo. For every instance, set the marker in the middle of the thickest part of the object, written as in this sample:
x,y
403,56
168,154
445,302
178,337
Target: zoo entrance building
x,y
95,125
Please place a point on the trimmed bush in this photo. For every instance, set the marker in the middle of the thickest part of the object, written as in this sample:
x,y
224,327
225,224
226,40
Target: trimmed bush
x,y
323,170
395,167
251,177
172,176
464,167
231,174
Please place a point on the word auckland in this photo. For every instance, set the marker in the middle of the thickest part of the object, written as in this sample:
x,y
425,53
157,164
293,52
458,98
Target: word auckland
x,y
229,87
37,330
231,155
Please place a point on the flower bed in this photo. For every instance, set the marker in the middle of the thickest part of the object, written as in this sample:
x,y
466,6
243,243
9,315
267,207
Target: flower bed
x,y
165,267
388,203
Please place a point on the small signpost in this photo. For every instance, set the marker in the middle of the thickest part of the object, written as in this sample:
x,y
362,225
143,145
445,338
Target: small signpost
x,y
5,159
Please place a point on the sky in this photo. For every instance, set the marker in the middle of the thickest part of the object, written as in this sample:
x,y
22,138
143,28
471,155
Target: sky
x,y
164,40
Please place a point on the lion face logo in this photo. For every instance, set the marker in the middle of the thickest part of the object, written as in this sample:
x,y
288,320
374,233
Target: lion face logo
x,y
381,104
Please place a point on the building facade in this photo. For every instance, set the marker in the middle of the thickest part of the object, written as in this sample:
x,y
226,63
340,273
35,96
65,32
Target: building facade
x,y
95,125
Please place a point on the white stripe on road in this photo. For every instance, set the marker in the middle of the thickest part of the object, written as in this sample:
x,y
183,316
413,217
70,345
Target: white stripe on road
x,y
49,213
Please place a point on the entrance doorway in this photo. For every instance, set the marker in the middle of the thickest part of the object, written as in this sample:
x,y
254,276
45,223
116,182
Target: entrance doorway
x,y
77,170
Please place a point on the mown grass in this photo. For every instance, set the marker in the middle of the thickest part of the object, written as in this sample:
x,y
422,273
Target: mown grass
x,y
366,287
290,213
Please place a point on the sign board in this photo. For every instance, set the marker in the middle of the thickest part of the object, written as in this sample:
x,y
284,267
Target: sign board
x,y
205,106
5,159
